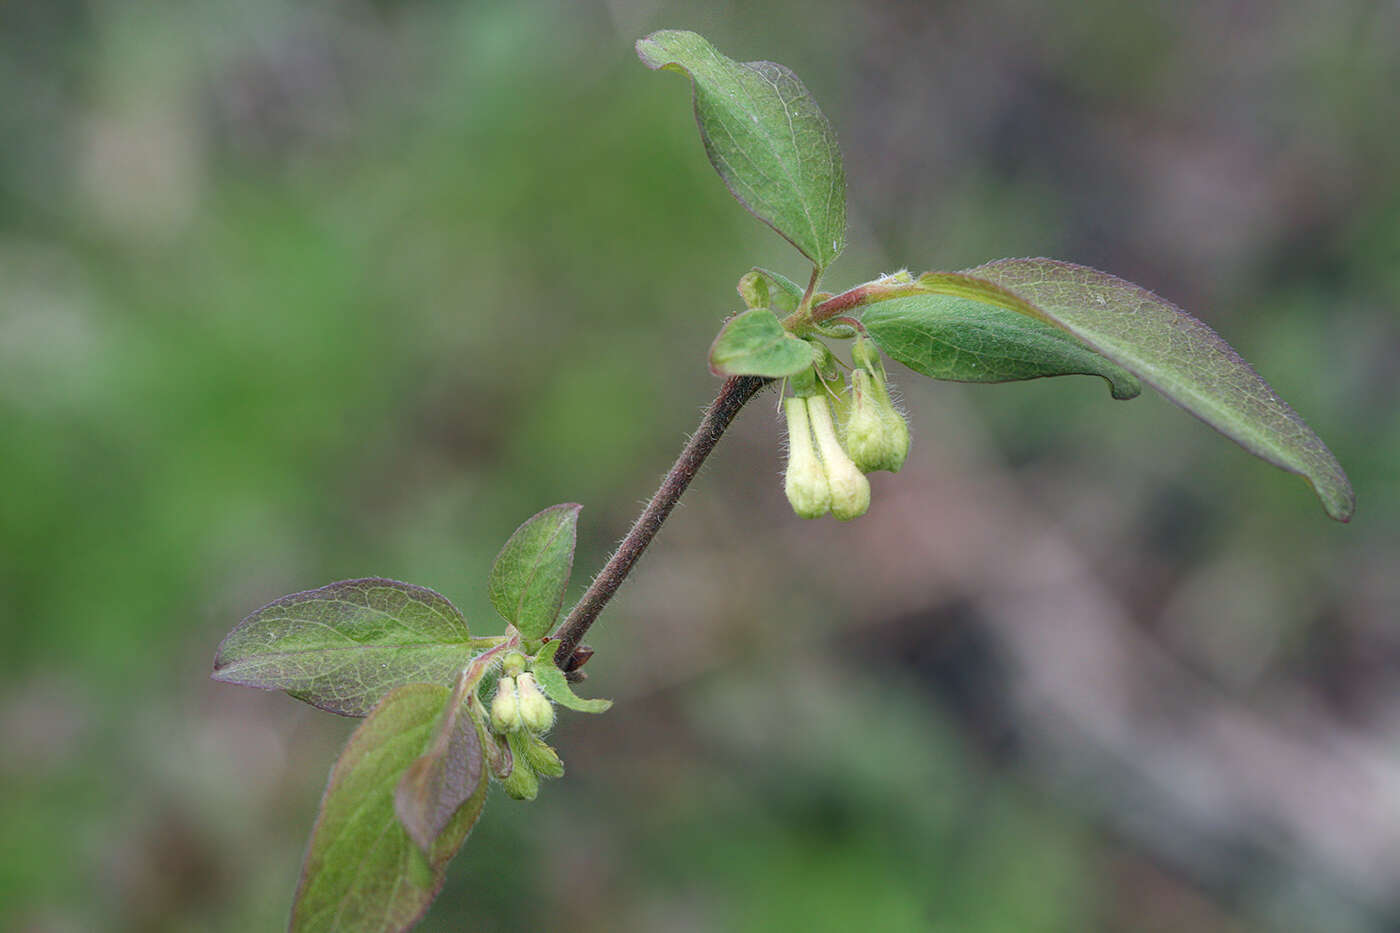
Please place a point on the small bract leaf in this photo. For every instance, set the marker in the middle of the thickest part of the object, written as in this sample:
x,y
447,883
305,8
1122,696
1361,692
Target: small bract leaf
x,y
530,575
345,645
776,291
444,777
556,686
960,340
1168,349
766,137
362,873
754,343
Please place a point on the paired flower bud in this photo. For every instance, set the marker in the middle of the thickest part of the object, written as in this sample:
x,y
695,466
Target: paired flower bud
x,y
820,476
826,473
520,704
877,435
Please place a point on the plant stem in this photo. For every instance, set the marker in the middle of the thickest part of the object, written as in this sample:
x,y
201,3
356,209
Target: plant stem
x,y
736,391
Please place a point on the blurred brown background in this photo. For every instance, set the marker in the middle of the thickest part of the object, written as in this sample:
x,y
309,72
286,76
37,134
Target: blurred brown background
x,y
295,292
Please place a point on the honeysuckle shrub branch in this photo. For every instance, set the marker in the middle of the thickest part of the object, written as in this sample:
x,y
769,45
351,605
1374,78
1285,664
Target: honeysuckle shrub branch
x,y
446,710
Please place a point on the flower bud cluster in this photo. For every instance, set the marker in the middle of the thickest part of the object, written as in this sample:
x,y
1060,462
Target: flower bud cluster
x,y
826,472
521,713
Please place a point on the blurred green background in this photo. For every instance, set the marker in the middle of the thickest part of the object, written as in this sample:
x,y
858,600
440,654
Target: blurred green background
x,y
296,292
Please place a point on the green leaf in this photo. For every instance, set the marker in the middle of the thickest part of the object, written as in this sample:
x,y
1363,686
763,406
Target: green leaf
x,y
761,288
442,778
362,873
556,686
766,137
530,575
960,340
754,343
343,646
1168,349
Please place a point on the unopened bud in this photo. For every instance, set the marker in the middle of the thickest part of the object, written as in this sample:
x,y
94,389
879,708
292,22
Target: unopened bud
x,y
505,706
850,490
512,664
542,758
897,429
805,482
868,439
866,355
753,288
522,783
536,712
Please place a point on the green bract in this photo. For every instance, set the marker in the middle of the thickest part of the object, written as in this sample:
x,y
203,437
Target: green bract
x,y
755,344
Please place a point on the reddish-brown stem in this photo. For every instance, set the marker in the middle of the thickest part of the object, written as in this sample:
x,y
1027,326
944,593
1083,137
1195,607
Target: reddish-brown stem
x,y
736,391
864,295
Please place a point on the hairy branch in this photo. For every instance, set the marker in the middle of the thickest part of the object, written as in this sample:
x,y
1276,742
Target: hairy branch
x,y
735,392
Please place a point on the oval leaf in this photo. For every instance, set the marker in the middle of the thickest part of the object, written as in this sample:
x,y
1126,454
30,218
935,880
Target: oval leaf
x,y
556,686
362,873
1168,349
960,340
766,137
754,343
345,645
444,777
530,575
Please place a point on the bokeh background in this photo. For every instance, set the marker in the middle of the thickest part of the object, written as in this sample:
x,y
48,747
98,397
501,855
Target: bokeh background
x,y
295,292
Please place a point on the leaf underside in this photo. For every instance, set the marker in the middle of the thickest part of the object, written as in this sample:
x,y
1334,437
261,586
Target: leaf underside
x,y
766,137
754,343
362,873
960,340
343,646
531,573
1166,348
444,777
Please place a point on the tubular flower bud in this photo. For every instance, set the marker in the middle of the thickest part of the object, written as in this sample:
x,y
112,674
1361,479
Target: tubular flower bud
x,y
850,490
868,437
897,429
542,758
505,706
522,783
536,712
869,379
805,482
867,357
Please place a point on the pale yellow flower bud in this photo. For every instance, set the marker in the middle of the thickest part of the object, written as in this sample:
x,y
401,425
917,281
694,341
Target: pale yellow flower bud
x,y
805,481
536,712
505,706
850,490
868,438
